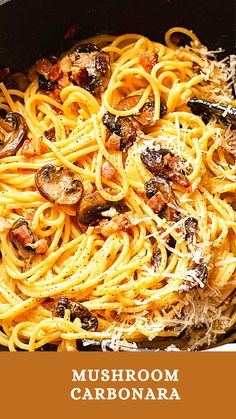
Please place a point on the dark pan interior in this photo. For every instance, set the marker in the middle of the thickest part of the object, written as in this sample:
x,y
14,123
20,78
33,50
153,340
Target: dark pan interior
x,y
31,28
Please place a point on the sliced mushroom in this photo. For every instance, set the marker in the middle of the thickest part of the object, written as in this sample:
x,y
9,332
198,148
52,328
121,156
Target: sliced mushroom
x,y
91,206
164,163
161,190
13,130
77,310
153,159
123,127
90,68
145,116
21,236
190,227
195,278
59,185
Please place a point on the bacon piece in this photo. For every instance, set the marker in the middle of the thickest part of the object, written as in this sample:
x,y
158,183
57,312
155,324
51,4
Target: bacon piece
x,y
41,246
113,143
121,222
175,171
164,198
55,72
28,149
22,235
50,134
32,147
148,61
108,171
157,202
43,67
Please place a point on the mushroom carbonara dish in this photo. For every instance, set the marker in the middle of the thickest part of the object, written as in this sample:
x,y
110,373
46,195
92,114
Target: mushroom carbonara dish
x,y
117,196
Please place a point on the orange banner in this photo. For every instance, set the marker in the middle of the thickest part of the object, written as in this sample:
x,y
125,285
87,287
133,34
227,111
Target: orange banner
x,y
110,385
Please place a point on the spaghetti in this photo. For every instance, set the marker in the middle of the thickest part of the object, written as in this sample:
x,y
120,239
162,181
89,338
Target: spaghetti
x,y
141,272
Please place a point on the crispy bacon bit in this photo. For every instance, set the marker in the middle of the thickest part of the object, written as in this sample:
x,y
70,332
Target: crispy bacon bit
x,y
148,61
77,310
22,233
113,142
108,171
157,202
4,225
43,67
175,171
22,238
50,134
165,164
72,31
121,222
40,246
55,72
161,196
32,147
28,149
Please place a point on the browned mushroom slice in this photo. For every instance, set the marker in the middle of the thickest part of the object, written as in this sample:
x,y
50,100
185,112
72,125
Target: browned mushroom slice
x,y
164,163
21,236
91,206
90,68
59,185
153,159
190,227
161,198
145,116
12,133
77,310
123,127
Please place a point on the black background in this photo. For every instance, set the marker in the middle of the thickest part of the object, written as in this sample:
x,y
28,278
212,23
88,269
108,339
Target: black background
x,y
31,28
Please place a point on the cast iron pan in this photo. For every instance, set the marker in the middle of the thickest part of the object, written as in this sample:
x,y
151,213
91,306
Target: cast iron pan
x,y
30,29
